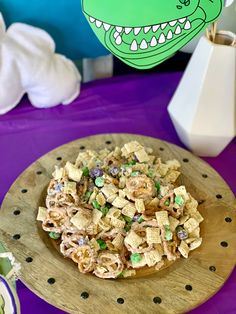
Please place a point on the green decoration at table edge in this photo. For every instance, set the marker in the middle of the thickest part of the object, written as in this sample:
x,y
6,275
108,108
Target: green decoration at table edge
x,y
5,267
146,33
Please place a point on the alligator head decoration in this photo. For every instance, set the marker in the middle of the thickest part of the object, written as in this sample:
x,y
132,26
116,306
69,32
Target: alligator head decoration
x,y
144,33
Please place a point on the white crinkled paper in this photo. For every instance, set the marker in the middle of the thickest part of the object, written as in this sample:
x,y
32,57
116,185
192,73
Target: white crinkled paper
x,y
16,267
29,64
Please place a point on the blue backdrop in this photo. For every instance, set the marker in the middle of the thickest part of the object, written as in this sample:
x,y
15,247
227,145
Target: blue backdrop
x,y
64,21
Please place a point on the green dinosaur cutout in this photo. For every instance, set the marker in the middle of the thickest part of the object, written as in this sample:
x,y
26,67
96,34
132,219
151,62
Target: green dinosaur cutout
x,y
144,33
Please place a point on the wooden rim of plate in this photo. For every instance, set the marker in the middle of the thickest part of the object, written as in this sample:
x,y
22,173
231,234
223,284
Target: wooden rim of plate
x,y
176,289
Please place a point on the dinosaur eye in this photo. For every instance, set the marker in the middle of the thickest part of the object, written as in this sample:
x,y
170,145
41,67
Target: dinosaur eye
x,y
185,2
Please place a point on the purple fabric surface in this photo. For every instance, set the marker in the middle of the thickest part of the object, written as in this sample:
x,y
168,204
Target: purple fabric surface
x,y
132,104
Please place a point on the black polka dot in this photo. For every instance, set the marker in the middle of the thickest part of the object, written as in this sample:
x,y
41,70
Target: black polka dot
x,y
24,191
212,268
120,300
51,281
108,142
204,176
39,172
228,219
16,212
219,196
84,295
161,149
16,236
224,244
59,158
82,147
157,300
188,287
185,160
29,259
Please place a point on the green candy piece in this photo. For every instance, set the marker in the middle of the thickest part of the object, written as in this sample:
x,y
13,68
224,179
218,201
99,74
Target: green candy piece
x,y
108,205
54,235
96,204
158,186
150,173
179,200
128,219
167,202
87,195
132,163
127,228
102,244
104,210
99,182
120,275
85,171
179,228
168,233
140,220
134,174
135,258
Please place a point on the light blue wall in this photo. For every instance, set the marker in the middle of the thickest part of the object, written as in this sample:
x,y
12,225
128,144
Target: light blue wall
x,y
63,19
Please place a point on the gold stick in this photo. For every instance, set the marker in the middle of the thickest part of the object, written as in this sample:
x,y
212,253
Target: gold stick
x,y
214,30
208,34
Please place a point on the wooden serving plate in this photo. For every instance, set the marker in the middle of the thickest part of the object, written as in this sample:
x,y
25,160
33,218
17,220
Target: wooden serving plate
x,y
176,289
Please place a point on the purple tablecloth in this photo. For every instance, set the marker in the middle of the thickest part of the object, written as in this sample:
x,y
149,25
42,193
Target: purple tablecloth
x,y
132,104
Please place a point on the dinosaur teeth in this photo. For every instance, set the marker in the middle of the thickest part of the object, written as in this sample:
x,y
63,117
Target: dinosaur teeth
x,y
173,23
182,20
171,28
137,30
128,30
106,26
119,29
116,34
169,35
147,29
187,25
162,39
134,46
178,30
153,42
155,28
143,45
163,25
118,40
98,23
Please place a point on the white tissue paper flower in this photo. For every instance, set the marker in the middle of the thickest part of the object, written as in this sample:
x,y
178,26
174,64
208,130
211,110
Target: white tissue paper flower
x,y
29,64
